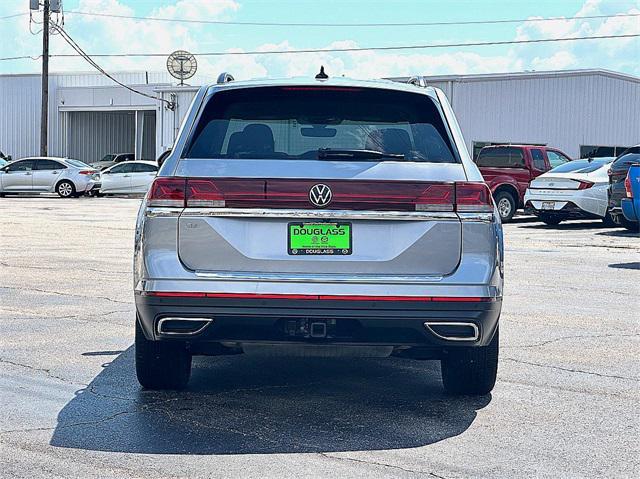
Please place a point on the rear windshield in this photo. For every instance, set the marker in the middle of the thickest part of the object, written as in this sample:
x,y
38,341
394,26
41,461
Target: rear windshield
x,y
501,157
311,123
77,163
582,166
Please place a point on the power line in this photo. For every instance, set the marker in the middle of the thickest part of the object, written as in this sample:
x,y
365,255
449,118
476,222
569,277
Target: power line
x,y
6,17
361,49
350,25
89,60
346,49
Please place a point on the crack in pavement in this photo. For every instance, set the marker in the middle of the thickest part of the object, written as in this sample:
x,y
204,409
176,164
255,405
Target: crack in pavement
x,y
66,294
560,368
544,343
53,268
375,463
43,370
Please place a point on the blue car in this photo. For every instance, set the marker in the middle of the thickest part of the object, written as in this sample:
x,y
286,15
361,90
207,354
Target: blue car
x,y
631,204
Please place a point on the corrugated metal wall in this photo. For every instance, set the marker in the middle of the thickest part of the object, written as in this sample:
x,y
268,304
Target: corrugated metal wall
x,y
564,111
93,134
561,111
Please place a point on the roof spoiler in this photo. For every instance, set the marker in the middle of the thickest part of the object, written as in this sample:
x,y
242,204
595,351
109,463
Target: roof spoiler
x,y
224,77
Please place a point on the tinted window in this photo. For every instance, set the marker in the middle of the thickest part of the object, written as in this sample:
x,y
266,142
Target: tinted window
x,y
556,159
627,159
24,165
582,166
120,158
126,168
48,165
501,157
144,168
77,163
297,122
538,159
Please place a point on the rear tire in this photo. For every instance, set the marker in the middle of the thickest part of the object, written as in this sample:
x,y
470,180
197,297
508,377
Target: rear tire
x,y
65,189
608,220
630,225
161,365
506,205
471,370
550,220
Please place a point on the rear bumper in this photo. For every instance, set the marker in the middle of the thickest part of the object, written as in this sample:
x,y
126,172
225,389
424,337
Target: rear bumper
x,y
569,210
397,323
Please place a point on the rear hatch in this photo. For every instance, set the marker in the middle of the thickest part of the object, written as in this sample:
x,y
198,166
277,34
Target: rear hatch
x,y
313,182
385,235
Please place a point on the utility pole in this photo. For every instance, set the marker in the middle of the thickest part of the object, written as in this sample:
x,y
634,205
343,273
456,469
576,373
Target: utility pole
x,y
44,118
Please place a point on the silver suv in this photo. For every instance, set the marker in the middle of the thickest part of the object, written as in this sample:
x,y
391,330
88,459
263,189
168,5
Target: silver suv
x,y
319,218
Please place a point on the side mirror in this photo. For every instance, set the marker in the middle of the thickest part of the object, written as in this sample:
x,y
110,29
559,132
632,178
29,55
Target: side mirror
x,y
103,172
5,169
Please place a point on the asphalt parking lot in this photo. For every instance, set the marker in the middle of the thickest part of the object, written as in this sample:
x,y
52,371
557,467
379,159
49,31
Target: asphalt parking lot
x,y
565,405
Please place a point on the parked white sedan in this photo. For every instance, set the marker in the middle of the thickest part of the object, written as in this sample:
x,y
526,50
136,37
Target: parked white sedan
x,y
128,177
573,190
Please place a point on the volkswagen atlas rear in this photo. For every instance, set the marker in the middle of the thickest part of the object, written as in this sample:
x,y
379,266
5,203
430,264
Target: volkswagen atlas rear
x,y
319,218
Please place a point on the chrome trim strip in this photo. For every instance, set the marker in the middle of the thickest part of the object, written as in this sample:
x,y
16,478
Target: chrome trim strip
x,y
476,331
483,217
155,212
317,278
322,214
207,321
159,212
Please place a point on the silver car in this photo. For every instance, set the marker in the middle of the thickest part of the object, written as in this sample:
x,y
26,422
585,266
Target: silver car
x,y
64,176
319,218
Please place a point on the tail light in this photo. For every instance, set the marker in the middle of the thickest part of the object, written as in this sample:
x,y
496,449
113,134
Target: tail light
x,y
87,172
167,192
473,197
347,195
436,197
627,185
585,185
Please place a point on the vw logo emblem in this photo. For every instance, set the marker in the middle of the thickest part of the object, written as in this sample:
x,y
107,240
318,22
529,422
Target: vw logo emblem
x,y
320,195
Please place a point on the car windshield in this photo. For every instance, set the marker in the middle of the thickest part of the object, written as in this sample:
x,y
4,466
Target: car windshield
x,y
321,123
77,163
582,166
108,158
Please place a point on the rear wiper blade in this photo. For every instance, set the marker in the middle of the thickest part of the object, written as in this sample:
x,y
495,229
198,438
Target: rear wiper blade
x,y
355,154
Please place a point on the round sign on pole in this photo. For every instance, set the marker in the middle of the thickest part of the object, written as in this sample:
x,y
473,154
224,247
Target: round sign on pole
x,y
182,65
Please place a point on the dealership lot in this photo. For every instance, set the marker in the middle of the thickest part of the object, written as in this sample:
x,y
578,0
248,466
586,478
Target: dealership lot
x,y
565,404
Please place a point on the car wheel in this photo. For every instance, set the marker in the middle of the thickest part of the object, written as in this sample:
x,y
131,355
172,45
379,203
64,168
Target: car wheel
x,y
471,370
608,220
630,225
161,365
506,204
550,220
66,189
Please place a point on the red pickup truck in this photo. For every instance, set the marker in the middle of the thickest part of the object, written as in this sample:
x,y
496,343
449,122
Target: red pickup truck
x,y
508,170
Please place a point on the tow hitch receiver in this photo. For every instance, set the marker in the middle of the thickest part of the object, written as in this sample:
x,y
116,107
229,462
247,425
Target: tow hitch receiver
x,y
305,328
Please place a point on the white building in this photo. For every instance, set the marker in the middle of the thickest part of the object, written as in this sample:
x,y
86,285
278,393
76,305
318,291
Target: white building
x,y
90,116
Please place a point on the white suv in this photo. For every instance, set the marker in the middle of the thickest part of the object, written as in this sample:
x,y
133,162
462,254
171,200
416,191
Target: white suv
x,y
319,217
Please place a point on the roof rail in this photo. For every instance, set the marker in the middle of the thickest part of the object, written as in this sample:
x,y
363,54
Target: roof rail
x,y
224,77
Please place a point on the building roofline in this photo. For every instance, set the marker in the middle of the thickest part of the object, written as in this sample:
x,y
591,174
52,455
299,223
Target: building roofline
x,y
526,75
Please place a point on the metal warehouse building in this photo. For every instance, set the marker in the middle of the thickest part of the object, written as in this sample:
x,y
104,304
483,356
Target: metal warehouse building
x,y
582,112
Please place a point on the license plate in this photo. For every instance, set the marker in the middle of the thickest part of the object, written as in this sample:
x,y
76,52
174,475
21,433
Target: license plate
x,y
319,238
548,205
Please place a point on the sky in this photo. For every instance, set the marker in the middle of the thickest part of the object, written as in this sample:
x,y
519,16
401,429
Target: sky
x,y
117,35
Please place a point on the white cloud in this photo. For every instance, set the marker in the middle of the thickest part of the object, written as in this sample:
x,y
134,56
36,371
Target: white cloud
x,y
100,34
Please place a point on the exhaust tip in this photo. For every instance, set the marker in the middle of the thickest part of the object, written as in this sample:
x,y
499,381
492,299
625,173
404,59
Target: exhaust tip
x,y
182,326
453,331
